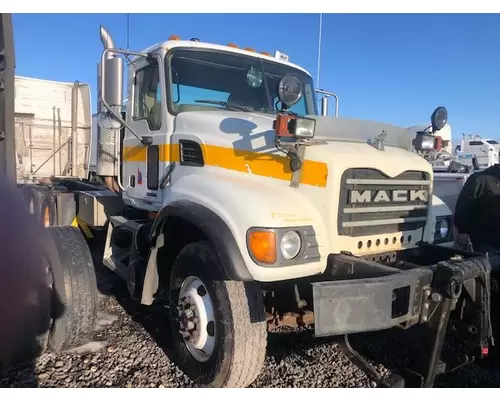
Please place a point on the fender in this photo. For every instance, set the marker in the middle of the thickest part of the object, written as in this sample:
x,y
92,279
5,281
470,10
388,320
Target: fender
x,y
214,228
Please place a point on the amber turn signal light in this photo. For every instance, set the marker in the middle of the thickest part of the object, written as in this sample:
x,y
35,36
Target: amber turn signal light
x,y
262,245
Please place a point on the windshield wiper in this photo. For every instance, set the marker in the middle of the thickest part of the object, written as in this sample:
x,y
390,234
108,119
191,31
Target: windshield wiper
x,y
233,107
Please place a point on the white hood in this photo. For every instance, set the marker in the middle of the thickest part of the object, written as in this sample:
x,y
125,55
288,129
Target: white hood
x,y
348,146
227,125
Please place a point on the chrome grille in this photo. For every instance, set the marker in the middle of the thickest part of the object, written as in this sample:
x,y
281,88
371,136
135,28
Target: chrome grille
x,y
371,203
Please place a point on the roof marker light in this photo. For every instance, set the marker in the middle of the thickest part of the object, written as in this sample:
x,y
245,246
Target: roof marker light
x,y
281,56
174,37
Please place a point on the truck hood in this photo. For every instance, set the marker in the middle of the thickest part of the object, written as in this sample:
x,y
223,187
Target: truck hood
x,y
347,138
329,128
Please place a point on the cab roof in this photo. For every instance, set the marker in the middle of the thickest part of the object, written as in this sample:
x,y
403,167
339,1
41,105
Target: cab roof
x,y
170,44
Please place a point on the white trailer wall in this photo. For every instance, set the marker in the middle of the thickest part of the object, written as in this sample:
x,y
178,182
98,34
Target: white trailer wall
x,y
44,128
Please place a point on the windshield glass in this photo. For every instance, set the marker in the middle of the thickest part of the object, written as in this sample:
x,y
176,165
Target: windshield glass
x,y
492,141
210,80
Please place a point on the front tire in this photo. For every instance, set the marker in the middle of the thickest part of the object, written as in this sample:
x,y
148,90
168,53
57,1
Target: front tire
x,y
219,326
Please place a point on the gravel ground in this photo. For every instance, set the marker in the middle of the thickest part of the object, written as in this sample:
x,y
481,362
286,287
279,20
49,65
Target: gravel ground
x,y
131,350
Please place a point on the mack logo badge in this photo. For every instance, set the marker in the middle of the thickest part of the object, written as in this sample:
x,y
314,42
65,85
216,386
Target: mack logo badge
x,y
388,196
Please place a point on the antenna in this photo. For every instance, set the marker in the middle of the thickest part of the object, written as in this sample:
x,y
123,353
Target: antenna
x,y
319,47
128,32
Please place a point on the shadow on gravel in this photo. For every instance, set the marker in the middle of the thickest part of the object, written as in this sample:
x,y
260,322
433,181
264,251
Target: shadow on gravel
x,y
153,319
26,338
18,368
21,376
396,349
279,343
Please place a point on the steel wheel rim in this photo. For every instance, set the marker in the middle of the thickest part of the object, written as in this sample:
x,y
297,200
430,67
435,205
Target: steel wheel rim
x,y
196,318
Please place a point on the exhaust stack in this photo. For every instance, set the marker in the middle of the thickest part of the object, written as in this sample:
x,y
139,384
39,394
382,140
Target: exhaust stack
x,y
110,87
107,40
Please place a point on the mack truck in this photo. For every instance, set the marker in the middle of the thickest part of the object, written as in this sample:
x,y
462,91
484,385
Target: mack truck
x,y
226,198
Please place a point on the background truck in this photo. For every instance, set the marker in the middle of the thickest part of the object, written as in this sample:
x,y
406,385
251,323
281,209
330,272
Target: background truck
x,y
485,150
452,168
52,128
224,197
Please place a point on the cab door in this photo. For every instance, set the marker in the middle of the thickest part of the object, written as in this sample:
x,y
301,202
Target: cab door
x,y
142,164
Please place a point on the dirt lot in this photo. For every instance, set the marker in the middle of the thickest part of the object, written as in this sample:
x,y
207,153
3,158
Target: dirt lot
x,y
131,349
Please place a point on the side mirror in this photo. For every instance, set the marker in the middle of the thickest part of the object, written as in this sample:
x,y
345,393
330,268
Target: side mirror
x,y
112,82
111,72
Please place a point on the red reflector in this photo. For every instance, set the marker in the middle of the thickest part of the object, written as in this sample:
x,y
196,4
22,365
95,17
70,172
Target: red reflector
x,y
484,351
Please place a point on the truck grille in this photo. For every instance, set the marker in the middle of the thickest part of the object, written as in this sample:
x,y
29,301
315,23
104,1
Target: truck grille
x,y
371,203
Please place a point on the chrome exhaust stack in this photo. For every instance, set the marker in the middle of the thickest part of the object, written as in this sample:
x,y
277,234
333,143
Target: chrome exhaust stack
x,y
109,102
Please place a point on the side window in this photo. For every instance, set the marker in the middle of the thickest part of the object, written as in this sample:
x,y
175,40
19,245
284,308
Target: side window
x,y
147,96
475,143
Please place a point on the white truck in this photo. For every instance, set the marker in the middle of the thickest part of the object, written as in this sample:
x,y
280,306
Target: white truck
x,y
233,204
486,151
453,168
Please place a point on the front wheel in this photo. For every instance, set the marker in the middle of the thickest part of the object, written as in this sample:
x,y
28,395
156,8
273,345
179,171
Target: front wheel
x,y
218,326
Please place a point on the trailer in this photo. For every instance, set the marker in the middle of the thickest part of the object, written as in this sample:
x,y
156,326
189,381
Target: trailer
x,y
226,198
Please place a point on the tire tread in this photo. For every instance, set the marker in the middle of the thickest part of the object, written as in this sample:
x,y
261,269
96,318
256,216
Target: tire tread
x,y
79,291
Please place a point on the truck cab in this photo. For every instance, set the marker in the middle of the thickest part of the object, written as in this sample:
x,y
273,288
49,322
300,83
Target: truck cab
x,y
245,209
208,111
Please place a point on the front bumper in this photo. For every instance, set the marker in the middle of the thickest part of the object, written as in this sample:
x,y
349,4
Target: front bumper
x,y
370,304
363,296
433,287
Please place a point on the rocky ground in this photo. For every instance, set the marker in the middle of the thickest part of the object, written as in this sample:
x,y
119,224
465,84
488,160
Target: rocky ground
x,y
131,350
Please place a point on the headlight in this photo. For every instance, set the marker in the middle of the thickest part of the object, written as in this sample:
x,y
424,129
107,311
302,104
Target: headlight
x,y
290,245
442,232
292,126
424,141
443,227
281,247
302,127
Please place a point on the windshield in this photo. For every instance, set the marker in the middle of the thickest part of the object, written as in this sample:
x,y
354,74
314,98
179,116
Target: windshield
x,y
210,80
492,141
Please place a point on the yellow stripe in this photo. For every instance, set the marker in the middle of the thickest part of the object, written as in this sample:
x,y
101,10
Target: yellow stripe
x,y
270,165
77,222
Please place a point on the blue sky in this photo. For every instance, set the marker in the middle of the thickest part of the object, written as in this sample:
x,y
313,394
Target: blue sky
x,y
389,67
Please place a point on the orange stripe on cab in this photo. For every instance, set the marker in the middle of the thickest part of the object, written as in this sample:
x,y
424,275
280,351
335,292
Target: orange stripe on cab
x,y
268,165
